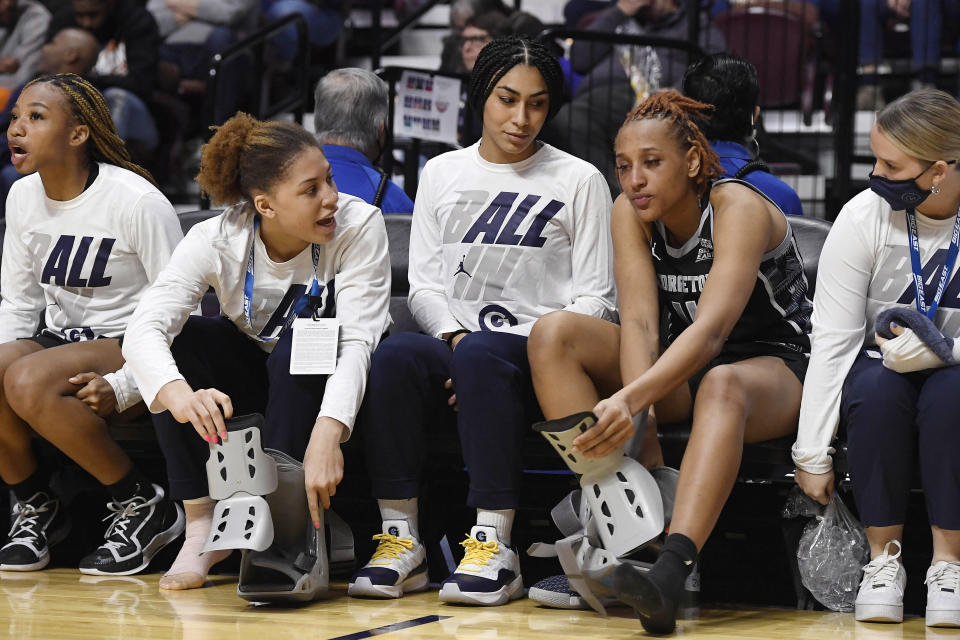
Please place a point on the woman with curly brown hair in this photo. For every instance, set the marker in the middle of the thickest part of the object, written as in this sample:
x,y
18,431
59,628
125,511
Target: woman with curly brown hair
x,y
708,273
288,244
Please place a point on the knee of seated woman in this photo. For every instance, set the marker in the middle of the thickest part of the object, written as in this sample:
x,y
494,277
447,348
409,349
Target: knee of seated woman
x,y
479,346
722,385
11,352
552,333
27,387
402,350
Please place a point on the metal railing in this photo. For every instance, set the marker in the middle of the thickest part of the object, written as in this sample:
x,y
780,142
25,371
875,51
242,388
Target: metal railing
x,y
253,51
246,65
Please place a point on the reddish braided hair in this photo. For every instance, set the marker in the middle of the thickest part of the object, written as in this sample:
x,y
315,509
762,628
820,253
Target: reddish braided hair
x,y
679,110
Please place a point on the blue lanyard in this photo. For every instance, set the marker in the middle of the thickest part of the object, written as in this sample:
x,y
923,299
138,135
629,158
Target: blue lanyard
x,y
313,296
918,268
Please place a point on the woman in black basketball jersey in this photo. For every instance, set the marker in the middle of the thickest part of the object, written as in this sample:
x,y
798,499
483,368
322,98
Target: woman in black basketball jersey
x,y
719,262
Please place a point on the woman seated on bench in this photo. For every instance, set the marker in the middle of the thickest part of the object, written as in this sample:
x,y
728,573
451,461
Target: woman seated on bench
x,y
896,401
86,233
291,245
736,341
503,231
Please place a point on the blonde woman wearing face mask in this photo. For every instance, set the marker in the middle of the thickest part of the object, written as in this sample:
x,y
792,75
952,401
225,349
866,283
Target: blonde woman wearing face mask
x,y
893,246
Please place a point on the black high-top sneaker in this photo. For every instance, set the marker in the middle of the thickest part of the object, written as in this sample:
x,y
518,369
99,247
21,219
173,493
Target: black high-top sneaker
x,y
139,528
36,525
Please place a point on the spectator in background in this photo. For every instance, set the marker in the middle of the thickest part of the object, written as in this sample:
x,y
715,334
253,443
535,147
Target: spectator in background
x,y
350,121
461,11
70,51
729,84
926,17
661,18
324,20
23,28
578,14
527,25
126,67
193,31
477,32
618,77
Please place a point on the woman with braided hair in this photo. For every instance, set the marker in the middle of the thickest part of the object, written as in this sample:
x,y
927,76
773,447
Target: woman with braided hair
x,y
718,259
504,231
86,233
288,245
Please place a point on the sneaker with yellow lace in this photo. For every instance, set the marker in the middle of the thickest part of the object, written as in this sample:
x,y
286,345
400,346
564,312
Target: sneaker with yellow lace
x,y
489,573
398,566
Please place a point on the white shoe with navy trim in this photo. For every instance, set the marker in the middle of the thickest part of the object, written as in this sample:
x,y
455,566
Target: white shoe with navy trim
x,y
398,566
489,573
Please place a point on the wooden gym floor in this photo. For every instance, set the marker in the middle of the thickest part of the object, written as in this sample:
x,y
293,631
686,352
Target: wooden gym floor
x,y
60,603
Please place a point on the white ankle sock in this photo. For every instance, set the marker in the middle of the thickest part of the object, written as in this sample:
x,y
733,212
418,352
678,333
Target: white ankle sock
x,y
401,510
500,519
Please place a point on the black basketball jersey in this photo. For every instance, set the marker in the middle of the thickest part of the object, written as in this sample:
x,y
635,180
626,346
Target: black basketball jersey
x,y
777,315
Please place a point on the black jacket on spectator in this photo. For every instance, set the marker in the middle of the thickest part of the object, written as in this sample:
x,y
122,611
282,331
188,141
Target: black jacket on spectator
x,y
592,59
130,23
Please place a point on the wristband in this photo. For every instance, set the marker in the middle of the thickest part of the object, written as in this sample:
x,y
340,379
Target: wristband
x,y
454,334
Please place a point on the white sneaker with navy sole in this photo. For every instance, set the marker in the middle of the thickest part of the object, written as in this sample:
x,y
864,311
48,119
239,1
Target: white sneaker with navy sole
x,y
880,598
489,573
943,594
398,566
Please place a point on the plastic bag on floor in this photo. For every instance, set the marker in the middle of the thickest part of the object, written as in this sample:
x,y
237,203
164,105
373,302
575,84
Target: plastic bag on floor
x,y
831,554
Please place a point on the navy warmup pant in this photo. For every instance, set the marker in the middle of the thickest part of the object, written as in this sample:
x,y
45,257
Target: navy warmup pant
x,y
890,419
213,353
406,403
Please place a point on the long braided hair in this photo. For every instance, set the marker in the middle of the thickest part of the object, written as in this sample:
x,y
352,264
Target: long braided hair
x,y
89,107
500,55
677,109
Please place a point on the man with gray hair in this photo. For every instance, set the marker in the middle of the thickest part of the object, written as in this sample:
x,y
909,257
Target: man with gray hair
x,y
350,120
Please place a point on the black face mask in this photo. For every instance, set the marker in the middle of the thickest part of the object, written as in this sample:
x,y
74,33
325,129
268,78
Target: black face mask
x,y
900,194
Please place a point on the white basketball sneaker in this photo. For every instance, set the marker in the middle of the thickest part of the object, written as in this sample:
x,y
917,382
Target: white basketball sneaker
x,y
943,594
398,566
880,598
489,573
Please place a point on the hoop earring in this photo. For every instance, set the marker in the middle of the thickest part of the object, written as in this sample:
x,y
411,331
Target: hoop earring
x,y
935,190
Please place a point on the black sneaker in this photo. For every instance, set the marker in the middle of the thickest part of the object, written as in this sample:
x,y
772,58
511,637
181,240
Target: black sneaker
x,y
139,528
36,525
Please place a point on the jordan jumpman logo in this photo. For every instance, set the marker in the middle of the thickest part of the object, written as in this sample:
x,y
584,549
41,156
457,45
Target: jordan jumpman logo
x,y
461,268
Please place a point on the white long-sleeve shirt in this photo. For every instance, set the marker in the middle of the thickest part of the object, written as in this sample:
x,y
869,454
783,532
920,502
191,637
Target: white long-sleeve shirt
x,y
864,269
85,261
353,269
497,246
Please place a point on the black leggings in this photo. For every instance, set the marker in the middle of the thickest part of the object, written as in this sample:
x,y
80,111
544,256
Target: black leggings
x,y
213,353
